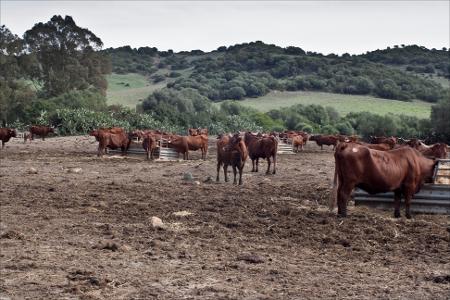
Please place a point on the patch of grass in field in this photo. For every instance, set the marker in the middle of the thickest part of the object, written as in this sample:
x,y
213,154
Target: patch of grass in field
x,y
342,103
129,89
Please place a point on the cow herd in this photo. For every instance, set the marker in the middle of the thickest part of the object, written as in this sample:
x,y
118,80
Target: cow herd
x,y
382,164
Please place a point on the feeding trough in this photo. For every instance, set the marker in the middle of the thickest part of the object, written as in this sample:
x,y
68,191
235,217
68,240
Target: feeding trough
x,y
161,153
432,198
284,147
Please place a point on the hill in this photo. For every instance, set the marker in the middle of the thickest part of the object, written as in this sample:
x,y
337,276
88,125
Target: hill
x,y
343,104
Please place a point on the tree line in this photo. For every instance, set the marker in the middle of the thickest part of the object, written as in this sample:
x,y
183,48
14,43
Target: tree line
x,y
56,72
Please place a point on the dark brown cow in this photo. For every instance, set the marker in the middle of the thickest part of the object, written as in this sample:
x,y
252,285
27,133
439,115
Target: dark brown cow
x,y
6,134
41,131
198,142
112,138
179,143
231,151
438,150
402,170
264,147
391,141
197,131
329,140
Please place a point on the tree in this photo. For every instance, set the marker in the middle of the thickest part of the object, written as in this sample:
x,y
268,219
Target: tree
x,y
440,116
15,95
68,56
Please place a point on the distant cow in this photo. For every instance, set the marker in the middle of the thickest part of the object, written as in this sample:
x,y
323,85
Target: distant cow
x,y
112,138
263,147
231,151
297,142
438,150
41,131
402,170
329,140
180,145
391,141
149,145
6,134
197,131
198,142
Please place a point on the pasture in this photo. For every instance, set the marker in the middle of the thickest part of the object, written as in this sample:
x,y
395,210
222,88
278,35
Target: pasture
x,y
81,229
129,89
342,103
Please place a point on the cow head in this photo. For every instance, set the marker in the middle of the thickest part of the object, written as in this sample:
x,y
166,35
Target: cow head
x,y
12,133
233,144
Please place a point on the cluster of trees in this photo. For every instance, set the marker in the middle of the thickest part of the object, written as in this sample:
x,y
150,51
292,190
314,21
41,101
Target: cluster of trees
x,y
253,69
56,64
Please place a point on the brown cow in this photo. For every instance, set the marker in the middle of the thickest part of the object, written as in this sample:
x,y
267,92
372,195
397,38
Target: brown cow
x,y
198,142
149,145
179,143
391,141
264,147
438,150
324,140
42,131
402,170
112,138
379,147
297,142
6,134
231,151
197,131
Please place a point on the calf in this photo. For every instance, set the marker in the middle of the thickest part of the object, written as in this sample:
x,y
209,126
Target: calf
x,y
231,151
6,134
197,131
297,142
149,145
264,147
402,170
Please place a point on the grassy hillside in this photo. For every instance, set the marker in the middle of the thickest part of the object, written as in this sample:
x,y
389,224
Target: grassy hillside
x,y
129,89
342,103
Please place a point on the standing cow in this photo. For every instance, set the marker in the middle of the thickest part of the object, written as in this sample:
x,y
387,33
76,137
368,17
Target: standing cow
x,y
6,134
231,151
261,147
402,170
41,131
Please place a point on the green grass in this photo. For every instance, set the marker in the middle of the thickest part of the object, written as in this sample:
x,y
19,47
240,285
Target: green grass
x,y
342,103
129,89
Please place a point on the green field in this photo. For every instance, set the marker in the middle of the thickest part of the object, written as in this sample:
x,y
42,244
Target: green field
x,y
129,89
342,103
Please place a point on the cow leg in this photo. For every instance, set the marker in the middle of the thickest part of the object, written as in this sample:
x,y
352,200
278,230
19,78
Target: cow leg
x,y
397,199
32,137
225,172
274,164
343,195
408,197
268,166
241,168
253,165
234,173
257,162
321,147
3,144
218,170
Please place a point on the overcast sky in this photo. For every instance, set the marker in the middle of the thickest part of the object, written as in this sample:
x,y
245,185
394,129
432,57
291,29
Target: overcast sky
x,y
321,26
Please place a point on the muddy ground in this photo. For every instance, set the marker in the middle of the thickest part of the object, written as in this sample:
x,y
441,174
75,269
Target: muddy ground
x,y
81,228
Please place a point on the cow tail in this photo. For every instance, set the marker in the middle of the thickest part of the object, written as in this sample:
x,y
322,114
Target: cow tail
x,y
333,197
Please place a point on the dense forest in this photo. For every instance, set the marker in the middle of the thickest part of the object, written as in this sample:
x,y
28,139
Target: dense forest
x,y
56,72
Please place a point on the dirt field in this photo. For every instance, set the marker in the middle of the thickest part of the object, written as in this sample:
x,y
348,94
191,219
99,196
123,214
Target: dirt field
x,y
81,228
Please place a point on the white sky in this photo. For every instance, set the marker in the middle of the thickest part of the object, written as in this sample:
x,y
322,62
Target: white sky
x,y
321,26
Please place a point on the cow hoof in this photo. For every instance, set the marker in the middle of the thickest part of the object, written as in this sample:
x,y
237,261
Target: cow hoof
x,y
408,216
396,214
340,216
